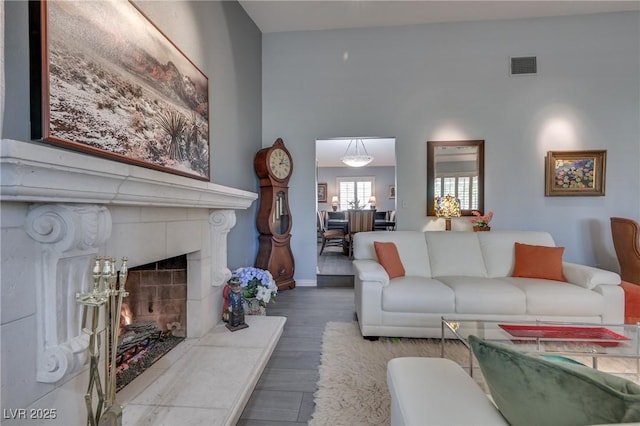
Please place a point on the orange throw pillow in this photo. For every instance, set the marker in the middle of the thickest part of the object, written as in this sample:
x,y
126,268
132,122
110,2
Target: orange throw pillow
x,y
389,258
631,302
538,262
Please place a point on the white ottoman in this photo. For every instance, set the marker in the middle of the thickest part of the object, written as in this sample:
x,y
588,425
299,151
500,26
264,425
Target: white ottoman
x,y
437,391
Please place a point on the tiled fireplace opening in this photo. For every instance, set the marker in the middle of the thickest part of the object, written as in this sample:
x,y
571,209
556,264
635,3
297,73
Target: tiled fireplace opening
x,y
153,319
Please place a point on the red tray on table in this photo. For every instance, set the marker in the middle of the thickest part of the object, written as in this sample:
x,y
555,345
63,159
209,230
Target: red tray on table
x,y
600,335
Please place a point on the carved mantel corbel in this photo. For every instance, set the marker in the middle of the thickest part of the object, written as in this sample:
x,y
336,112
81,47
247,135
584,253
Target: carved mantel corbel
x,y
220,223
68,236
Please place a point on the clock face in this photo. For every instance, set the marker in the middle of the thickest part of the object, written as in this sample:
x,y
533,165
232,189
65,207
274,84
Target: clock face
x,y
279,163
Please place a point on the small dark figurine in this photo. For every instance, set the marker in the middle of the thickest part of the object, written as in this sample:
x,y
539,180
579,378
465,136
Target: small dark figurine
x,y
235,308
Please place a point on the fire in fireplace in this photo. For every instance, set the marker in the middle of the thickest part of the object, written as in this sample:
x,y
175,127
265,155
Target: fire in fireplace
x,y
153,317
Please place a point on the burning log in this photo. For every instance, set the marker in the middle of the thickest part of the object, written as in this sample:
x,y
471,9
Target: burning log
x,y
139,347
137,334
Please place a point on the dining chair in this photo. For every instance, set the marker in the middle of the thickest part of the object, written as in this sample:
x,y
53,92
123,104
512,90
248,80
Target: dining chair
x,y
392,219
359,221
330,237
321,223
626,241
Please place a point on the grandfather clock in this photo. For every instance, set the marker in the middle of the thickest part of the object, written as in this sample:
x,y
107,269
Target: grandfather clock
x,y
274,166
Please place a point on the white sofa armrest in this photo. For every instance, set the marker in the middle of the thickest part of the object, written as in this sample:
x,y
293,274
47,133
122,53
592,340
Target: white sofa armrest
x,y
370,270
588,276
369,280
613,299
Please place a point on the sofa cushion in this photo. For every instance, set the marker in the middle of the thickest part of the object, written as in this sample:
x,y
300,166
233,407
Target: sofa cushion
x,y
411,247
417,295
533,261
546,297
530,390
455,254
497,248
389,259
476,295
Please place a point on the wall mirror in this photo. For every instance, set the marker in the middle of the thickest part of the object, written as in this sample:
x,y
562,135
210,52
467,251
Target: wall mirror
x,y
456,168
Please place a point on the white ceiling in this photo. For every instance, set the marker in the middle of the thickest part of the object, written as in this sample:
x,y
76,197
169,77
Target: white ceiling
x,y
329,151
283,15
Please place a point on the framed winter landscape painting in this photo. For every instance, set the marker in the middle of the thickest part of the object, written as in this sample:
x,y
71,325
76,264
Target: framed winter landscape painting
x,y
106,81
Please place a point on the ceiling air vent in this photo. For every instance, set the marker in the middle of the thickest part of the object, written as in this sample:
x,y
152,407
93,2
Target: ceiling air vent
x,y
524,65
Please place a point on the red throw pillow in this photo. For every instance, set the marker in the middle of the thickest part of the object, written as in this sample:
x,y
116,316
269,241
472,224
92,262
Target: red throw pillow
x,y
389,258
538,262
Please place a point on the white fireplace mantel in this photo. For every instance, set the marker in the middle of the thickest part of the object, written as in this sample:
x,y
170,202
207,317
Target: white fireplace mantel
x,y
35,172
72,198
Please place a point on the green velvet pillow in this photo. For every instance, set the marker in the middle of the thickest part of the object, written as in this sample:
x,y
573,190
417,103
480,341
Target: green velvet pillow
x,y
531,390
559,358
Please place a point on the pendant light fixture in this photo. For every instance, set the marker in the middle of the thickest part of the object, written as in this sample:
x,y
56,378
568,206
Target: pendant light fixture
x,y
356,156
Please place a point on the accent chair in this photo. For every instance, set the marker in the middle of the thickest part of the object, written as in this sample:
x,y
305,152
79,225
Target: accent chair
x,y
626,241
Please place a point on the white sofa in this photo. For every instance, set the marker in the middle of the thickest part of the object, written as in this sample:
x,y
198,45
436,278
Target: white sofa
x,y
468,275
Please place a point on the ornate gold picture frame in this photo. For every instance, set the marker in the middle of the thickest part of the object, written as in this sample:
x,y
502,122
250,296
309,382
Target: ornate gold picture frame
x,y
575,173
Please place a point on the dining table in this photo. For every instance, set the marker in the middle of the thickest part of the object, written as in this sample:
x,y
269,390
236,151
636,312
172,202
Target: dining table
x,y
379,225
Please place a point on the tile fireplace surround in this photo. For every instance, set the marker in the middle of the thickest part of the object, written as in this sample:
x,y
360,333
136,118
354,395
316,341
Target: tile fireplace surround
x,y
62,208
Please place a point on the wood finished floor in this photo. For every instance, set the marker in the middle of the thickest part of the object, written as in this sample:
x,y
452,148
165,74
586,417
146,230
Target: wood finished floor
x,y
332,261
284,394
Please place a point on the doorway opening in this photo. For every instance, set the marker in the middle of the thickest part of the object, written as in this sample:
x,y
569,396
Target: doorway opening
x,y
342,188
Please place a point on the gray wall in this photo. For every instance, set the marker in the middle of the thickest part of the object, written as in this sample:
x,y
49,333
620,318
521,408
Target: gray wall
x,y
450,81
225,44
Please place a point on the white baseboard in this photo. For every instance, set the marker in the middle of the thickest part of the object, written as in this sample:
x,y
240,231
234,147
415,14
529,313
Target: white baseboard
x,y
306,283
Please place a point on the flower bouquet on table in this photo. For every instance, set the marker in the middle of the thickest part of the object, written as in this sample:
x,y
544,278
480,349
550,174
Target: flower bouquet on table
x,y
258,288
480,222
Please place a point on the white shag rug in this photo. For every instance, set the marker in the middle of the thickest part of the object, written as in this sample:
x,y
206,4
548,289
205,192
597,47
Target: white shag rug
x,y
352,389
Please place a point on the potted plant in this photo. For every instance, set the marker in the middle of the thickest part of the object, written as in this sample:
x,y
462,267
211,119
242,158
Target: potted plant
x,y
355,204
481,222
258,288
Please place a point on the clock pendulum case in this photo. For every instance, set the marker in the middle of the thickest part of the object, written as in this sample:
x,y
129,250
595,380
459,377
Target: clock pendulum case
x,y
274,167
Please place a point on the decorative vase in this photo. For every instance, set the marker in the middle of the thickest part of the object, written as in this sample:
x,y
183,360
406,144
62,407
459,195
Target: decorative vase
x,y
447,224
481,228
253,307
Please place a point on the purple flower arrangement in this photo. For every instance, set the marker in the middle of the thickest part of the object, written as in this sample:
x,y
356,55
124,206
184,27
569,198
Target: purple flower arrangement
x,y
257,283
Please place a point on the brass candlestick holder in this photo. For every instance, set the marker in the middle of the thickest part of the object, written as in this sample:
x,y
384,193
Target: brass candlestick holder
x,y
106,296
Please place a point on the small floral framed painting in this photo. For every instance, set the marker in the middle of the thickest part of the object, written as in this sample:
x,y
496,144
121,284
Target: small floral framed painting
x,y
575,173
